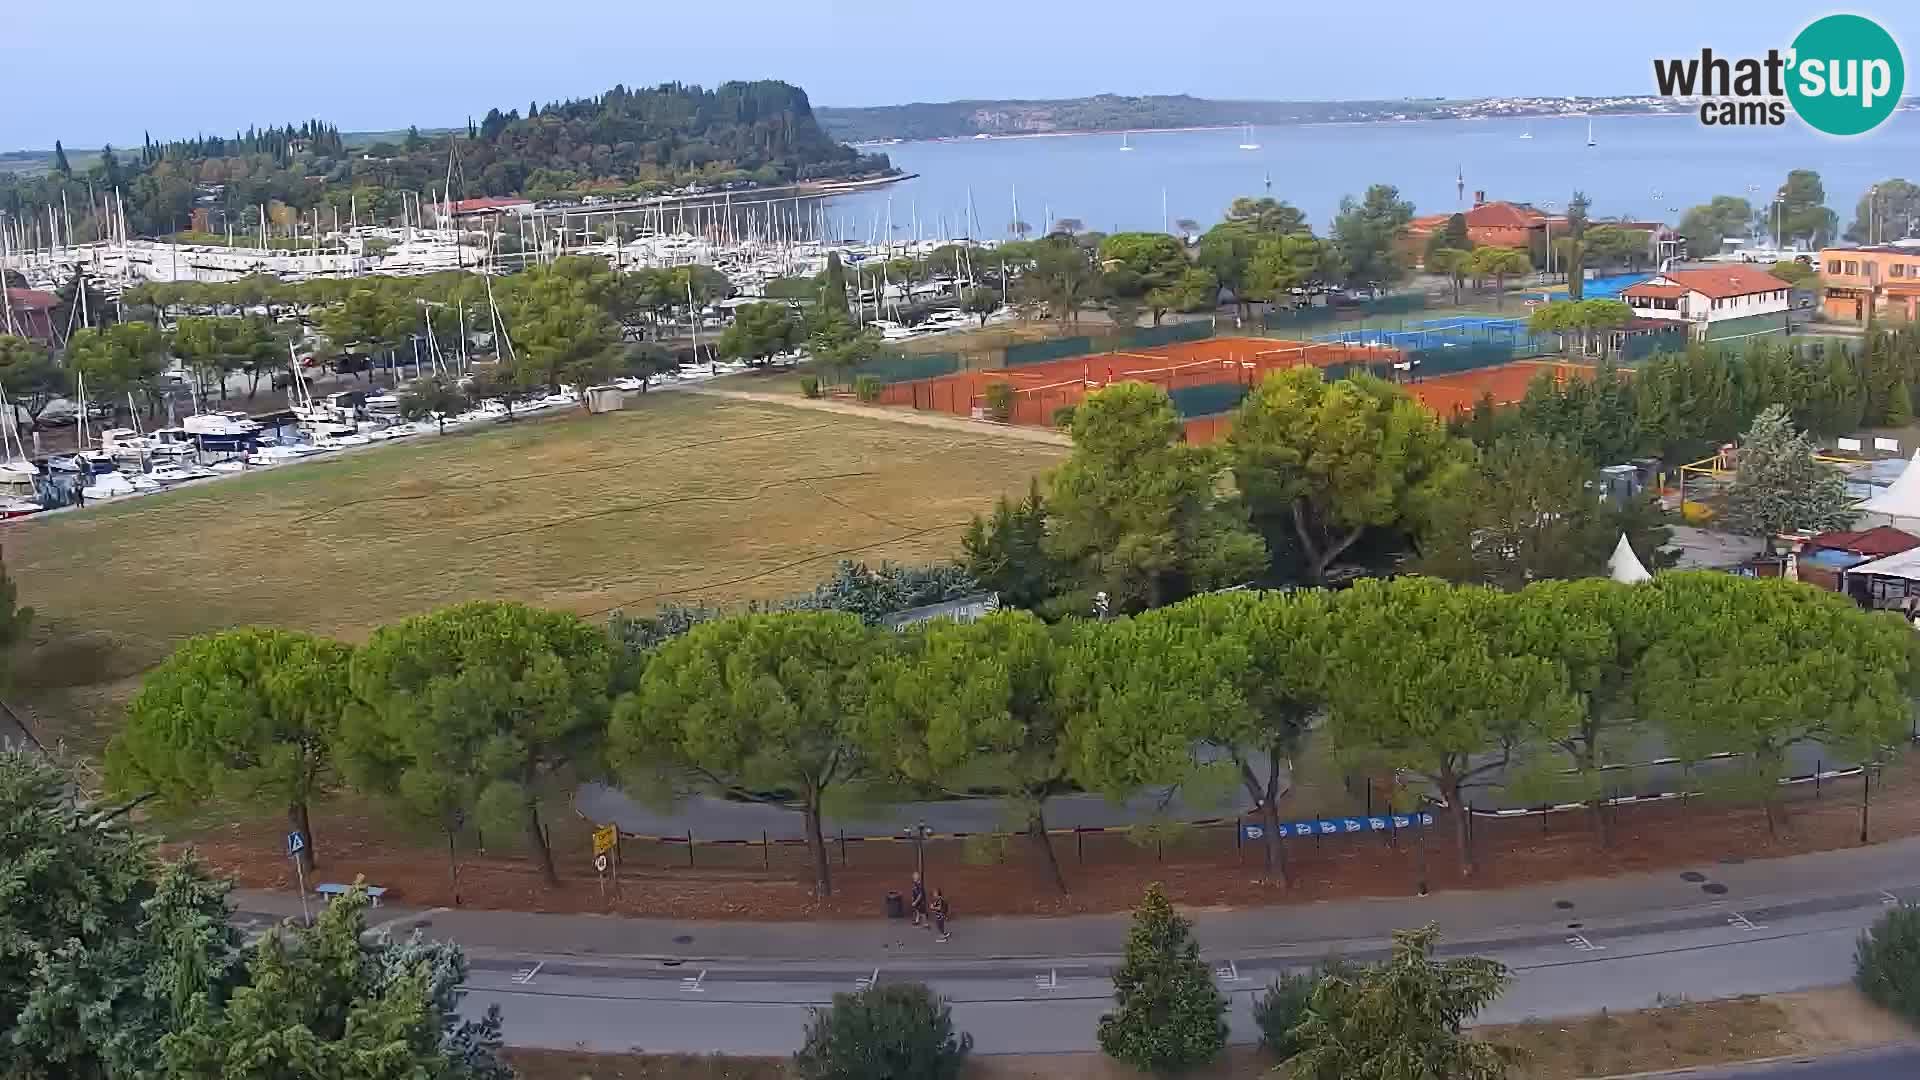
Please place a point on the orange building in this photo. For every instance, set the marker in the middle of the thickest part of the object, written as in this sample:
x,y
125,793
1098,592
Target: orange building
x,y
1886,277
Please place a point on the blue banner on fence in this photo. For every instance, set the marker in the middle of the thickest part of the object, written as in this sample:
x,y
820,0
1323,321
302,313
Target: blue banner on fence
x,y
1337,826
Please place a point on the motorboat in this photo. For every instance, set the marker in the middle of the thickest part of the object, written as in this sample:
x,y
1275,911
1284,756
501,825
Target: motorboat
x,y
223,431
229,466
18,508
176,474
115,486
19,479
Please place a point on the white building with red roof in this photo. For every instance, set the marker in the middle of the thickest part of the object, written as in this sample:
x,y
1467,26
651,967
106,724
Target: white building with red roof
x,y
1715,304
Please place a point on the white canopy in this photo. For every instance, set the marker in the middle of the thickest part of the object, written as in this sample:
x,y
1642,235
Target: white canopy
x,y
1624,566
1902,497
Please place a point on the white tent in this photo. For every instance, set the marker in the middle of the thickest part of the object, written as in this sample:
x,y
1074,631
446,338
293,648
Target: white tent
x,y
1899,505
1624,566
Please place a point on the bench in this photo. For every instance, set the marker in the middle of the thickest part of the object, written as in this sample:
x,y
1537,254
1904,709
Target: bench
x,y
332,890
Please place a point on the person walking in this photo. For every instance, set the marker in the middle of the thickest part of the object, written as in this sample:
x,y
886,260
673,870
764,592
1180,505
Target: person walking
x,y
940,910
917,900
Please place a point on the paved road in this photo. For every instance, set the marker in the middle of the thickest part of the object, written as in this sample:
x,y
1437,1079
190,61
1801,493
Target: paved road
x,y
1039,985
1892,1063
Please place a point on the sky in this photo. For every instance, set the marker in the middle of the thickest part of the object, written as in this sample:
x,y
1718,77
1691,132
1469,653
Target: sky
x,y
110,70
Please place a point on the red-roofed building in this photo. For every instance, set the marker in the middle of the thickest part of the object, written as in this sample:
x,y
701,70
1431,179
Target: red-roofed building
x,y
480,207
1489,224
1874,543
1716,304
28,314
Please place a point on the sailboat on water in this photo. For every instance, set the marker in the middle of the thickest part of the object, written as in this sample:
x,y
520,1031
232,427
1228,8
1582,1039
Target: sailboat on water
x,y
1528,133
1590,141
1246,139
1124,144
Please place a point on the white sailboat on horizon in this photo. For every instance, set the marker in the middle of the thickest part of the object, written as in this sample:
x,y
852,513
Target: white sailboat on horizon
x,y
1528,133
1590,141
1246,139
1124,144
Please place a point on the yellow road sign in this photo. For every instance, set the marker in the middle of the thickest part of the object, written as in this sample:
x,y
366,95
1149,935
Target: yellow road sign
x,y
603,839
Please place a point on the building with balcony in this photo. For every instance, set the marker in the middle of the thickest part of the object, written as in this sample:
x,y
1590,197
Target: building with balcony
x,y
1883,279
1714,304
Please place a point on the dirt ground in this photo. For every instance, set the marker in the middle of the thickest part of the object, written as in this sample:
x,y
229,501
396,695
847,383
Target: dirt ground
x,y
1680,1035
1200,867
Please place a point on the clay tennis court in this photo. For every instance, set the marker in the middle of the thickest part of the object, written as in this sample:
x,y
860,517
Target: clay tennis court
x,y
1040,390
1444,395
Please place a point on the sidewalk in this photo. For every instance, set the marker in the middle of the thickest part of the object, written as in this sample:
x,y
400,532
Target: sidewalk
x,y
894,414
1305,929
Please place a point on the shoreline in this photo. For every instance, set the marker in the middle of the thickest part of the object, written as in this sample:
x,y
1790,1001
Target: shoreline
x,y
1078,132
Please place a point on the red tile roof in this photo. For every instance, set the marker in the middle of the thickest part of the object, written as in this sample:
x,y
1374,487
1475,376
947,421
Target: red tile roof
x,y
1648,288
1503,215
1721,282
468,206
1878,541
31,298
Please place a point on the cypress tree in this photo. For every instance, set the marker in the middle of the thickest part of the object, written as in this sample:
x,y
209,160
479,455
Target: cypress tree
x,y
60,159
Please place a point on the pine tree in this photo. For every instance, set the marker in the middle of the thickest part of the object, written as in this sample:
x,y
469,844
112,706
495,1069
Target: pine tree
x,y
1778,487
1402,1019
15,621
1170,1016
1900,405
60,159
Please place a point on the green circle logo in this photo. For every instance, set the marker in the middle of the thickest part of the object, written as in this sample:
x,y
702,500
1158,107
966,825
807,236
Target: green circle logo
x,y
1847,75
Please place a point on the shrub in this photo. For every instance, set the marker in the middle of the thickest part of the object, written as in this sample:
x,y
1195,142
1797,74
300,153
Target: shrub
x,y
1170,1016
1063,417
867,389
1280,1010
1000,402
901,1031
810,386
1886,963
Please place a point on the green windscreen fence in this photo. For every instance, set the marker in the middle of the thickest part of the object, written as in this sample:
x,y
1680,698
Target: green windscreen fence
x,y
1640,346
1470,356
1207,399
905,368
1293,318
1039,352
1751,326
1146,337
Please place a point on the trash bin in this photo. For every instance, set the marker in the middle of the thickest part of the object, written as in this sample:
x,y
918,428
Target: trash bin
x,y
896,906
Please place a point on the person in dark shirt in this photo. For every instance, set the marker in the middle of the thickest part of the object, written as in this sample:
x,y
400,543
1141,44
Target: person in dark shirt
x,y
917,900
940,910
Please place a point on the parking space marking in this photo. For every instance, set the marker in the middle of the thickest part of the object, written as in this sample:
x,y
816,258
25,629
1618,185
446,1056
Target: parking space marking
x,y
694,984
1049,981
867,982
525,975
1741,922
1581,944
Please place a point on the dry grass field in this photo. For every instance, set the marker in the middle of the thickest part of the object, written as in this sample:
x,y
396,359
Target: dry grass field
x,y
679,498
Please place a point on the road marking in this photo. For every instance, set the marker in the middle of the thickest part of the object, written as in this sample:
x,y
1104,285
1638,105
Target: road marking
x,y
525,975
867,982
1049,981
1228,972
1581,944
694,984
1888,898
1741,922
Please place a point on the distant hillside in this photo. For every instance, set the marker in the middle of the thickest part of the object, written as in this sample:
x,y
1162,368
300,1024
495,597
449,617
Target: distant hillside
x,y
626,141
1104,112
